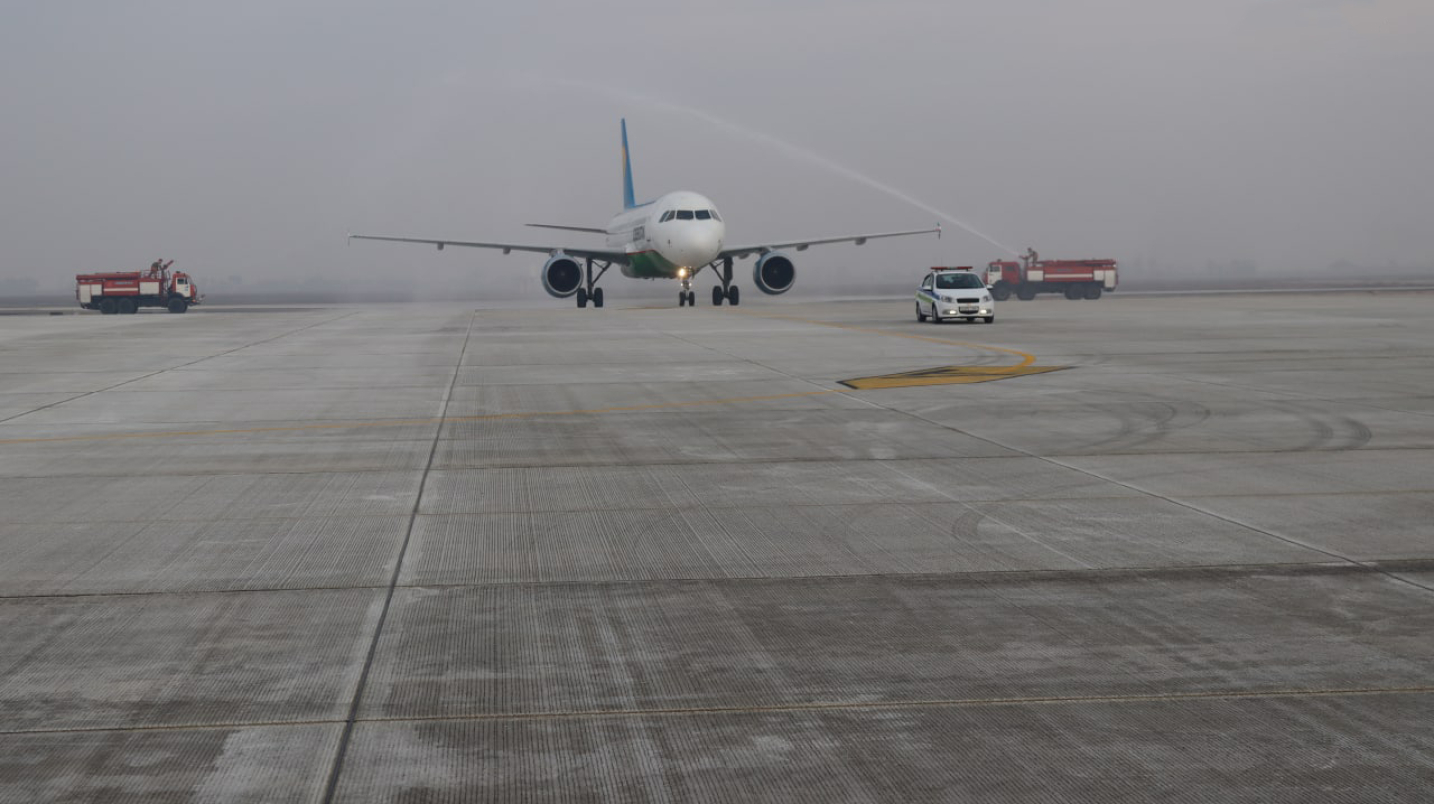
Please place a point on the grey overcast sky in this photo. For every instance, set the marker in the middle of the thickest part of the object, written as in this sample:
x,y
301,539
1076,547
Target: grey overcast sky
x,y
248,138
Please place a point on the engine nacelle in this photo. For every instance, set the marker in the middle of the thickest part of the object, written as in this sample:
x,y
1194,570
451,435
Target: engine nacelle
x,y
774,273
562,276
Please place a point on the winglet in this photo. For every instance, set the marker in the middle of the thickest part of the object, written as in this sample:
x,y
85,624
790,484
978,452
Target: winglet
x,y
629,199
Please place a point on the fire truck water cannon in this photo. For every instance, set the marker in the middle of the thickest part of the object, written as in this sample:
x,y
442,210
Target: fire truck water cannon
x,y
126,291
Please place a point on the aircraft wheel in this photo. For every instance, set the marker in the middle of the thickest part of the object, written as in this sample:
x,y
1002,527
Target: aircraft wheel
x,y
733,296
597,297
681,299
127,306
691,298
582,297
1092,291
107,306
717,295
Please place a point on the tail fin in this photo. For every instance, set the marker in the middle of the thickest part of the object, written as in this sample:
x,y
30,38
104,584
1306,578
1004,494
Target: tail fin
x,y
628,199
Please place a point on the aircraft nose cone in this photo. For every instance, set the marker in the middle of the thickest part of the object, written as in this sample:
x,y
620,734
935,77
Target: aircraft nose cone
x,y
701,246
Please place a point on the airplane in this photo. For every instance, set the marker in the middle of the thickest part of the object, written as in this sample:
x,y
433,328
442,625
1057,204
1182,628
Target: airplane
x,y
673,237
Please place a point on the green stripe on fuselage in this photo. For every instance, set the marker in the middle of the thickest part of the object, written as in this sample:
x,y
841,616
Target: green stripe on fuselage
x,y
651,265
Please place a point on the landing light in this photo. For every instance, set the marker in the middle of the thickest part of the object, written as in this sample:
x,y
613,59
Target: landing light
x,y
681,273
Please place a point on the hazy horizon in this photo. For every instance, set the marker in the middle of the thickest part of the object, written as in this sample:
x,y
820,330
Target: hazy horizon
x,y
248,140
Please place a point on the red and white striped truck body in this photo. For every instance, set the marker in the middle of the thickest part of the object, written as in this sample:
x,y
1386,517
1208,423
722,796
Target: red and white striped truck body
x,y
127,291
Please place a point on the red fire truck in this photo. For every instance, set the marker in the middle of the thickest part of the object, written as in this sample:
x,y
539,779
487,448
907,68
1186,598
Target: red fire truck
x,y
127,291
1077,279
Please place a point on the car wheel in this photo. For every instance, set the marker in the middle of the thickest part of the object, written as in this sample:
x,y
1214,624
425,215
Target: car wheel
x,y
990,319
935,315
920,316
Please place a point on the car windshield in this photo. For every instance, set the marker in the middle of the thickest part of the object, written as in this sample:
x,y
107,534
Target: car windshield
x,y
958,281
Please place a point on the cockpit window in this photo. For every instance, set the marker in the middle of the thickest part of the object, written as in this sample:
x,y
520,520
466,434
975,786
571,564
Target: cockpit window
x,y
715,216
666,216
684,214
958,281
704,214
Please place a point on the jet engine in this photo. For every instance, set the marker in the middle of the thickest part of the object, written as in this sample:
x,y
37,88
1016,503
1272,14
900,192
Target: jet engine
x,y
774,273
562,276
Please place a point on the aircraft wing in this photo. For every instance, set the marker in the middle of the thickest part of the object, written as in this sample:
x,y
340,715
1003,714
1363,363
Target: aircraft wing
x,y
740,252
603,254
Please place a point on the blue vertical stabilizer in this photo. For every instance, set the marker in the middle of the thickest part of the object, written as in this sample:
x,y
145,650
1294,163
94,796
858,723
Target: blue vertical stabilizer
x,y
628,199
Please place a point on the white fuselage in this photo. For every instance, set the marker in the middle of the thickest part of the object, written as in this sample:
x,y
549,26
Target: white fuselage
x,y
671,237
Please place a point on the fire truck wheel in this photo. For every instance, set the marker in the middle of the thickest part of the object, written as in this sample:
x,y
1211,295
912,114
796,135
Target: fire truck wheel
x,y
1092,291
1073,292
1001,291
1025,294
178,305
127,306
920,316
107,306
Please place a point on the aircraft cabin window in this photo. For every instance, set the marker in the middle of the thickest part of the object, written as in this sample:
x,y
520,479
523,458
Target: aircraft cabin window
x,y
703,215
684,215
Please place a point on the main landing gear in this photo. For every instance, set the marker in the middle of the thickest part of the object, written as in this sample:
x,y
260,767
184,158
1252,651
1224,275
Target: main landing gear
x,y
589,292
727,290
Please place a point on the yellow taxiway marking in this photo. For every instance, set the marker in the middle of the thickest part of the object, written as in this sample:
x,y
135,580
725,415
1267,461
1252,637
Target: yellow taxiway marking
x,y
1026,358
941,375
945,375
951,374
419,422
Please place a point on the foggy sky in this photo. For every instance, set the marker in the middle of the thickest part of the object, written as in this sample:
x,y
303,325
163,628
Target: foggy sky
x,y
248,139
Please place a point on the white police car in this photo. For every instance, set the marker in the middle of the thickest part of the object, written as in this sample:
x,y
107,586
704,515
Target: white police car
x,y
954,293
